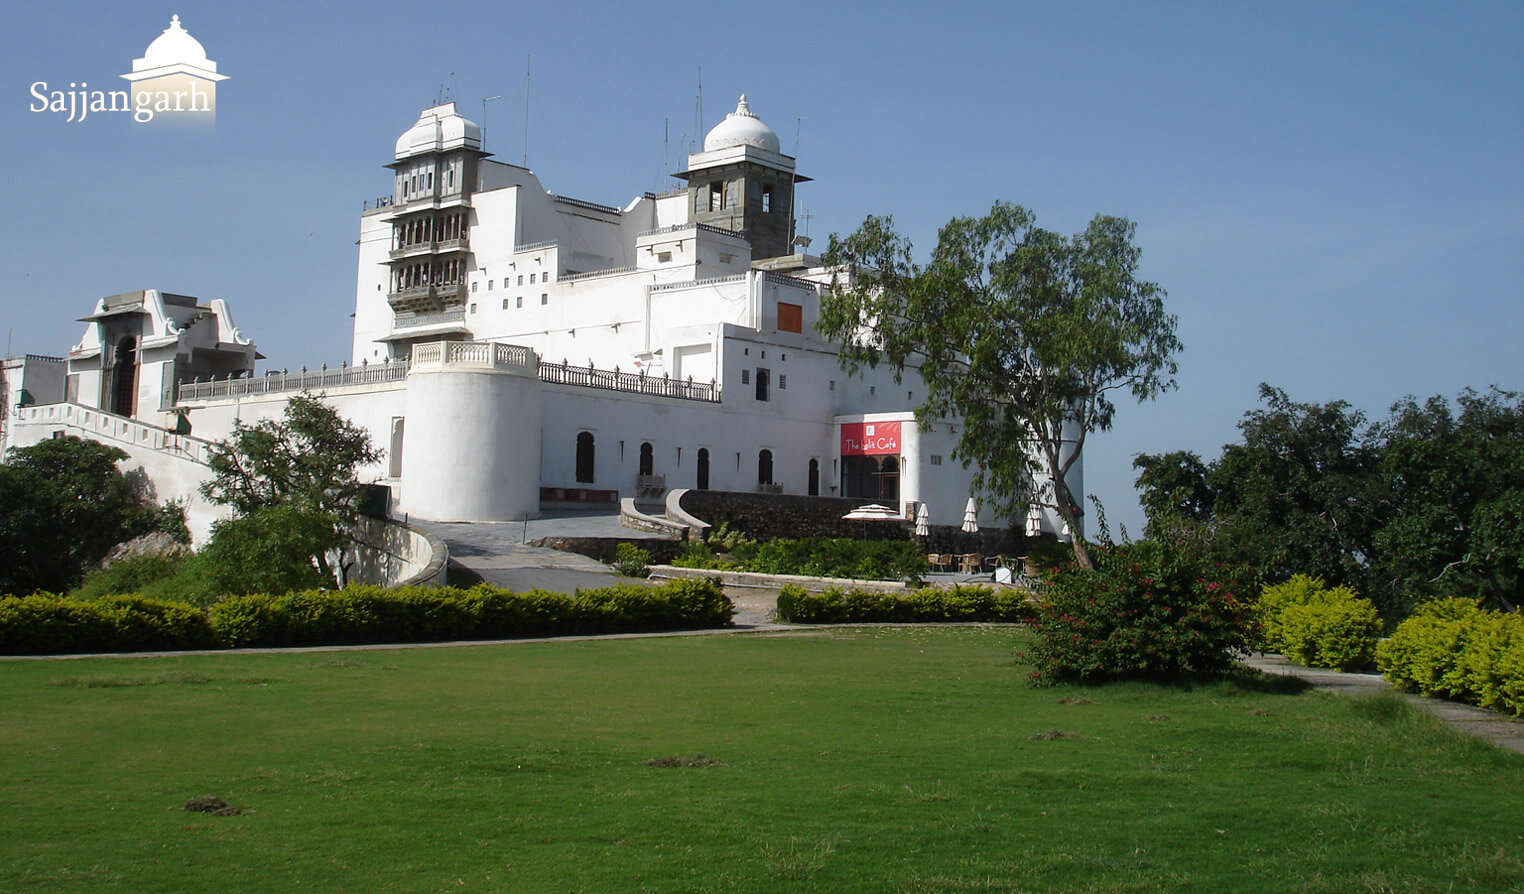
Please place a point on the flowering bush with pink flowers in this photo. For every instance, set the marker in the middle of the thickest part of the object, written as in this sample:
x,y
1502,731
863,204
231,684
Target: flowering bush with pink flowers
x,y
1149,610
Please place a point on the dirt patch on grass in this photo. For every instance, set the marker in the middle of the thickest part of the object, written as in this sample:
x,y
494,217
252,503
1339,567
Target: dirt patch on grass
x,y
1049,735
694,760
213,805
1075,700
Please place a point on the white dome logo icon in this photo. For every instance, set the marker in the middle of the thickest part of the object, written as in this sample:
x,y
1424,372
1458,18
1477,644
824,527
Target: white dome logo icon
x,y
175,76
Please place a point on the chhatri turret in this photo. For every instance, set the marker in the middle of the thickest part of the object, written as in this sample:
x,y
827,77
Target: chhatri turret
x,y
742,182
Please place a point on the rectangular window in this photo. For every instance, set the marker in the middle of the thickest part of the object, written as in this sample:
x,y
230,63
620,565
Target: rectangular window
x,y
663,256
544,298
473,307
717,196
531,279
545,277
782,382
762,382
790,317
519,301
505,304
833,385
489,285
521,279
936,459
450,179
745,377
767,198
473,287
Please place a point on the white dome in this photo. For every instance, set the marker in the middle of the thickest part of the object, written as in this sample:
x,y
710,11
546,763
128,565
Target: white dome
x,y
438,128
174,47
741,128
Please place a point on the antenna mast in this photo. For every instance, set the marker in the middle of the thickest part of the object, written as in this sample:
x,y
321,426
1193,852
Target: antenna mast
x,y
793,185
484,119
527,61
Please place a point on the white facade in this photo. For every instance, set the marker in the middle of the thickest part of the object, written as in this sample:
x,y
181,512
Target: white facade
x,y
511,344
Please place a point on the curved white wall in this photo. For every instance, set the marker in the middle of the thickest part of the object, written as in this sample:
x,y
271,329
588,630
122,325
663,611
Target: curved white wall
x,y
471,445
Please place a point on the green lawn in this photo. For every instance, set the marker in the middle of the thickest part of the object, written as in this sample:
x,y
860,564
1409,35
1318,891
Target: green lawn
x,y
883,760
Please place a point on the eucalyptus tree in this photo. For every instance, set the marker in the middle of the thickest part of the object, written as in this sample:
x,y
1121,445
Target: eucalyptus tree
x,y
1026,334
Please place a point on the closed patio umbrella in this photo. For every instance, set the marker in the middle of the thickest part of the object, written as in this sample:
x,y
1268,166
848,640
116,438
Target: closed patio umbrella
x,y
971,517
922,522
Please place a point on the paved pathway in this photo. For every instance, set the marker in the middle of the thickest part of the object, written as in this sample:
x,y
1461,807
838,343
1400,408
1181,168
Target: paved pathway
x,y
501,554
1499,729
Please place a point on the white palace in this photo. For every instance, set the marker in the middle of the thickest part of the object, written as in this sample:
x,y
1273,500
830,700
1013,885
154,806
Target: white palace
x,y
513,346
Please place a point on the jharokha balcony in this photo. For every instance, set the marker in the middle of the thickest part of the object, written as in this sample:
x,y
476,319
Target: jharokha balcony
x,y
430,247
432,297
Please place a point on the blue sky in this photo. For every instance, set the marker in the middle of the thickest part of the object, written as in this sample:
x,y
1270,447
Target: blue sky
x,y
1331,193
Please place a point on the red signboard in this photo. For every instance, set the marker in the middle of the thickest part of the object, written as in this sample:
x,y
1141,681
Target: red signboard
x,y
870,438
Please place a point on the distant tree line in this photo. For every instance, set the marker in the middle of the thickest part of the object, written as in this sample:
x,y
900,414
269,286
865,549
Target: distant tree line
x,y
1425,504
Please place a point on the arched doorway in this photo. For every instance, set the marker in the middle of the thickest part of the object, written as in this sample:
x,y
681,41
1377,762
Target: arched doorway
x,y
765,467
703,468
814,477
585,457
124,377
647,460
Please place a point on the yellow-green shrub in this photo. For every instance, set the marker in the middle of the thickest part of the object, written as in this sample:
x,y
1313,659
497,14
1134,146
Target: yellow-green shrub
x,y
1452,648
1333,631
1301,589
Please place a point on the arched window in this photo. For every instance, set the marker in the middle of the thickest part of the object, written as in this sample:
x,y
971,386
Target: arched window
x,y
814,478
765,467
703,468
762,382
646,458
585,457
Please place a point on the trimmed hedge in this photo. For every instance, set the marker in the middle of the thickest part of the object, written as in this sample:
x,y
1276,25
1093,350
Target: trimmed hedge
x,y
837,605
1455,649
47,624
44,623
816,557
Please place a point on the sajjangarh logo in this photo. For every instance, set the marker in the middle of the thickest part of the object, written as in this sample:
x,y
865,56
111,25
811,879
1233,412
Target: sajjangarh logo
x,y
174,81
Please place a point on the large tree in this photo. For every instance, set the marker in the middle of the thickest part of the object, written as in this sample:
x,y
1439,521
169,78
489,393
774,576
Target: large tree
x,y
1024,333
307,463
1429,502
63,505
1454,488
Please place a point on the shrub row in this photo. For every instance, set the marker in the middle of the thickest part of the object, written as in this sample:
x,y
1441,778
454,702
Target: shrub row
x,y
1455,649
818,557
961,603
1317,626
47,624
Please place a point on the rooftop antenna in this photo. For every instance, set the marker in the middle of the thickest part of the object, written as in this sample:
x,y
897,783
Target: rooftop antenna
x,y
666,152
527,61
484,118
793,185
